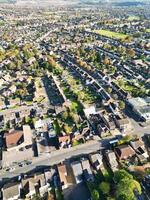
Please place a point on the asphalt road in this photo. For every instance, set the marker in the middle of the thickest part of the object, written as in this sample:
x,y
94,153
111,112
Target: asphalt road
x,y
55,158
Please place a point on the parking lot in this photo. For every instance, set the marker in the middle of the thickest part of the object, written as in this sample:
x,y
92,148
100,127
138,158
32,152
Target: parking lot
x,y
9,157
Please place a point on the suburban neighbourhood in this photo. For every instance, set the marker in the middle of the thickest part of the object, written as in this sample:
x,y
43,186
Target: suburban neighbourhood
x,y
74,100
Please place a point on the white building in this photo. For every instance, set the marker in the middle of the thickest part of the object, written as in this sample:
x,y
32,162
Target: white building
x,y
141,106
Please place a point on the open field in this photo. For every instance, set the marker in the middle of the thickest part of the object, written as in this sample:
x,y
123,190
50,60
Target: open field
x,y
148,30
111,34
132,18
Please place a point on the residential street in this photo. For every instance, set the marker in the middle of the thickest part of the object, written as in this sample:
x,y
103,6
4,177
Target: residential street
x,y
55,158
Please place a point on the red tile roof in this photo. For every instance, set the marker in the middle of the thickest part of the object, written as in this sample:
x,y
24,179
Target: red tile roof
x,y
12,138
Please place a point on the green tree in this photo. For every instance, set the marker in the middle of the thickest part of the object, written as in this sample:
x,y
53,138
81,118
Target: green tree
x,y
105,188
95,195
109,90
121,174
121,105
67,129
130,53
64,115
126,185
124,191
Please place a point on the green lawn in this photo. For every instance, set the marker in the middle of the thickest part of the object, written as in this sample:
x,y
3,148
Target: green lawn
x,y
148,30
126,86
132,18
111,34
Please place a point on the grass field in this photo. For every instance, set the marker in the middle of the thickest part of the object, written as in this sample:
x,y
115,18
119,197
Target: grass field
x,y
111,34
132,18
148,30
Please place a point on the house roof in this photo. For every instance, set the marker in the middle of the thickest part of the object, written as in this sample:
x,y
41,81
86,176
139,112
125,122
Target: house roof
x,y
64,138
62,170
137,143
10,190
30,182
12,138
96,158
77,168
125,151
85,164
112,159
97,161
124,121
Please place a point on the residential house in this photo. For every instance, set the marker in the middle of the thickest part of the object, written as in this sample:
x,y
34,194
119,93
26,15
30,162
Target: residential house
x,y
97,161
87,172
77,171
35,184
14,102
11,191
123,123
49,174
124,152
42,143
13,138
65,175
108,120
112,160
64,141
31,60
139,147
13,89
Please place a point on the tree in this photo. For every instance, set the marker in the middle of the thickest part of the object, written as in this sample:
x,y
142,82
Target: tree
x,y
74,117
95,195
28,120
127,39
121,50
124,191
125,140
120,83
126,185
121,105
105,188
106,61
64,115
131,52
121,174
67,129
109,90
